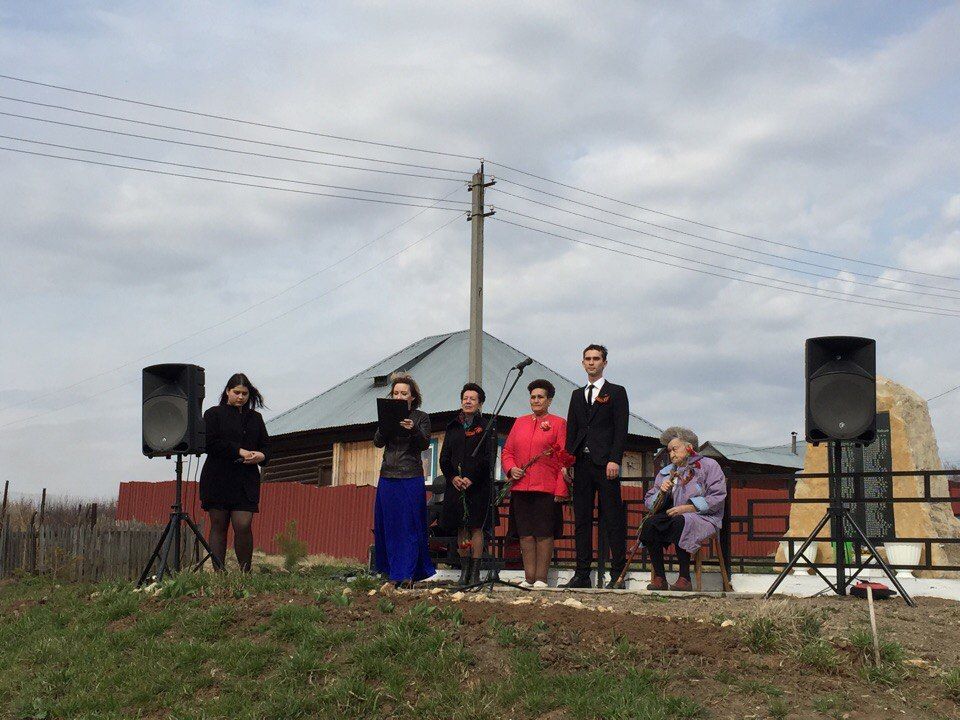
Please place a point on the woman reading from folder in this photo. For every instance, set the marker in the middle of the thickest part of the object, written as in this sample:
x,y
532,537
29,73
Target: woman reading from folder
x,y
237,443
400,510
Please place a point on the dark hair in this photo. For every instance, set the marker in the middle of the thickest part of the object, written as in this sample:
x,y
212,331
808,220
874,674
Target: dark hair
x,y
594,346
481,395
404,379
542,385
254,400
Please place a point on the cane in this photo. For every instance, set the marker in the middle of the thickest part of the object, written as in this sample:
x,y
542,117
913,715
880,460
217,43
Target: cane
x,y
657,507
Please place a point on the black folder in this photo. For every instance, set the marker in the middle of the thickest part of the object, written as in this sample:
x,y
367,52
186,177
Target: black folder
x,y
389,414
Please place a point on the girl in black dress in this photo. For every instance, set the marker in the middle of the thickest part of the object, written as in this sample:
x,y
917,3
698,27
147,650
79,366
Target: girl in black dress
x,y
466,497
237,443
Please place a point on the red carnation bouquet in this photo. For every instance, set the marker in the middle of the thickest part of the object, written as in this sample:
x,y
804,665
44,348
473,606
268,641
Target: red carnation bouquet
x,y
559,457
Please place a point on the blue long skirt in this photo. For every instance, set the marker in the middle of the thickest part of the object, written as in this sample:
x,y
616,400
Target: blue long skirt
x,y
400,529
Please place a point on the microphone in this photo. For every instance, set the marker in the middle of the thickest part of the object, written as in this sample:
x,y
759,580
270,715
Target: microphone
x,y
523,363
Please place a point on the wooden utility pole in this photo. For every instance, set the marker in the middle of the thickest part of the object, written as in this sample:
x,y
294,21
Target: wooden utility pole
x,y
477,214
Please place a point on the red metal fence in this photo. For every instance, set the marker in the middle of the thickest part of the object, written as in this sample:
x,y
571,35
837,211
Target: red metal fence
x,y
338,521
335,521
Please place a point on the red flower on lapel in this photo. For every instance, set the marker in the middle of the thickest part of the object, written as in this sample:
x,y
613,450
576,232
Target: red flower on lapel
x,y
602,399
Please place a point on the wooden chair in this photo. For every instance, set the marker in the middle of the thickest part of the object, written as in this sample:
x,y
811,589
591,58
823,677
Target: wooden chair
x,y
712,542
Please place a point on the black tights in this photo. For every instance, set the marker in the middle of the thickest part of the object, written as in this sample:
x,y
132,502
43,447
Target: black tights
x,y
241,521
656,559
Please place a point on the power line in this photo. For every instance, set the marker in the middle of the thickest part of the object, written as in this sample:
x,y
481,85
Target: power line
x,y
237,120
713,240
233,151
428,151
658,261
725,254
228,172
221,136
224,321
896,304
709,226
946,392
223,180
249,330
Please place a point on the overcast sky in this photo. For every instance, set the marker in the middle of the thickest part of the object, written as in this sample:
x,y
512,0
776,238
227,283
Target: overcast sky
x,y
833,127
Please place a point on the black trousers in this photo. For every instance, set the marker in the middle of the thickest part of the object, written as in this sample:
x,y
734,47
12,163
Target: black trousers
x,y
659,532
589,482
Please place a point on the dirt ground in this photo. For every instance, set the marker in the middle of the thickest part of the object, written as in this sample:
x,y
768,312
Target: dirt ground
x,y
700,642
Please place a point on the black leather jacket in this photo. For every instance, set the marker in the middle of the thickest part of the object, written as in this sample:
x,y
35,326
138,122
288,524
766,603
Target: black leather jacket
x,y
402,456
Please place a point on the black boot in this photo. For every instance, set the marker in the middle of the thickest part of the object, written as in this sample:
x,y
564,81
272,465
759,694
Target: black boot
x,y
475,571
466,564
579,580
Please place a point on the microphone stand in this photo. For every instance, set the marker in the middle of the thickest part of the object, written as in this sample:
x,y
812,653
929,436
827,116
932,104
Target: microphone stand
x,y
487,558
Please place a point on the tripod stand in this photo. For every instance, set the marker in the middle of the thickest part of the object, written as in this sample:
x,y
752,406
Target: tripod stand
x,y
487,558
169,562
837,514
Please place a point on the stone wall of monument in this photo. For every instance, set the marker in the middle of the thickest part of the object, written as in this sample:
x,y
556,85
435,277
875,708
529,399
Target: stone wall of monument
x,y
913,447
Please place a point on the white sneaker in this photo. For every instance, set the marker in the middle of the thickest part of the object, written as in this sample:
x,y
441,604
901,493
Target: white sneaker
x,y
524,584
540,585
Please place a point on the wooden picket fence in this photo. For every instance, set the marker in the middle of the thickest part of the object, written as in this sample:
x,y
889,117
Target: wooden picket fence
x,y
79,552
80,546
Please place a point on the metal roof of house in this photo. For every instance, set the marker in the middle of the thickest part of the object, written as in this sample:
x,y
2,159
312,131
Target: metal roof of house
x,y
780,455
439,365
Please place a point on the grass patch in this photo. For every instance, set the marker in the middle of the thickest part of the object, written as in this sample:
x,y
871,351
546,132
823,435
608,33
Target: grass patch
x,y
762,634
890,670
890,651
289,622
833,706
778,709
781,625
884,674
516,636
818,654
951,683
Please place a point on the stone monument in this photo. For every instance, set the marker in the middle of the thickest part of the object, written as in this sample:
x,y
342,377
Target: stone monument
x,y
905,440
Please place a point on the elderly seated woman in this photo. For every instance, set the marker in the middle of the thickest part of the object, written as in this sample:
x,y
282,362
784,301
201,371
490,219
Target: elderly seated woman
x,y
686,500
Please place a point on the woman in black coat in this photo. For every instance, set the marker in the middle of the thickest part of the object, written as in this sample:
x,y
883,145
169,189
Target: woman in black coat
x,y
237,443
466,497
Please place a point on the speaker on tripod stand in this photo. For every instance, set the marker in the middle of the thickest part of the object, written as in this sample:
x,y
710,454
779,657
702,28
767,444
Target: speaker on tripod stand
x,y
172,425
841,405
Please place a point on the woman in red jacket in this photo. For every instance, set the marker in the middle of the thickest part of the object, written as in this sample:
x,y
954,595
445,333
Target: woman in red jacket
x,y
533,459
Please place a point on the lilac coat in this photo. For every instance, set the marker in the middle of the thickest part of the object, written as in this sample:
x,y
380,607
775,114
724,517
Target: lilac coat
x,y
706,490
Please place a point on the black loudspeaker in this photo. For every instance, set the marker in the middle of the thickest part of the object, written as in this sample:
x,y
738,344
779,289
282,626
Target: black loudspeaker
x,y
841,389
173,410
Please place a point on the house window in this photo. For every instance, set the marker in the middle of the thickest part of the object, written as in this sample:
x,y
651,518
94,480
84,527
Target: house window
x,y
430,458
498,470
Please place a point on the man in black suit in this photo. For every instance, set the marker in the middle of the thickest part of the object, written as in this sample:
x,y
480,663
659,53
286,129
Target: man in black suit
x,y
596,434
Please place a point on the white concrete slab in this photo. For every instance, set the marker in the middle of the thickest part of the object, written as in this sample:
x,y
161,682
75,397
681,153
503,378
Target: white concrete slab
x,y
796,585
635,581
802,585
